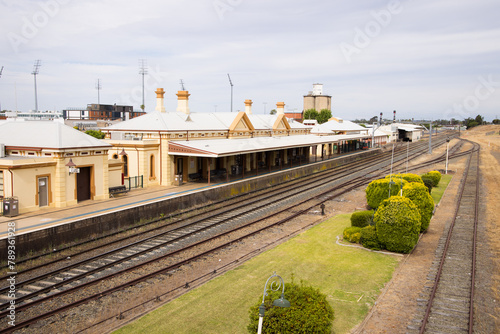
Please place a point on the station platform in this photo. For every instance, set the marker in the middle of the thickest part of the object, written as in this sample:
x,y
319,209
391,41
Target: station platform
x,y
48,217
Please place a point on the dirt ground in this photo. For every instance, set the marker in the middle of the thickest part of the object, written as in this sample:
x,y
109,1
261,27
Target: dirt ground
x,y
398,301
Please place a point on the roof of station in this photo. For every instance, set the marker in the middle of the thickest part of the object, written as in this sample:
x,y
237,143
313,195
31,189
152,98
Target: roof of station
x,y
214,121
337,125
223,147
46,135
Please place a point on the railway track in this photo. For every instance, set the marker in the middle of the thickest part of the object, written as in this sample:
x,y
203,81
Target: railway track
x,y
446,305
199,234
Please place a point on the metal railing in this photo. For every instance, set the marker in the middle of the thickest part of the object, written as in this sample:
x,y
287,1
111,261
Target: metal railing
x,y
134,182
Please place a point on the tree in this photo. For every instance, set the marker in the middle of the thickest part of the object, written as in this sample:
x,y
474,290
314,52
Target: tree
x,y
96,134
479,119
311,114
324,116
372,120
496,121
273,112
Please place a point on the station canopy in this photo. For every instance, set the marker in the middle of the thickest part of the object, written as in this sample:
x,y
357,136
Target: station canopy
x,y
216,148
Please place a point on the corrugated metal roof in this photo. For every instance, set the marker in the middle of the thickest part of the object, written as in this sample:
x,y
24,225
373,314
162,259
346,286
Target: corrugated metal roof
x,y
334,126
45,134
225,147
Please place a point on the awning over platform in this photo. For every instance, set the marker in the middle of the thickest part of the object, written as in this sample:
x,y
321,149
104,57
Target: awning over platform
x,y
215,148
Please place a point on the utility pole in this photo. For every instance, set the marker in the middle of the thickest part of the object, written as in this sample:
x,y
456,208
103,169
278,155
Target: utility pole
x,y
36,67
430,137
143,70
231,83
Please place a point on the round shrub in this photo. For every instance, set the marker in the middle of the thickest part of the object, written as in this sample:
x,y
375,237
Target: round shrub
x,y
309,312
369,238
352,234
362,218
428,181
419,195
435,176
378,190
397,222
409,177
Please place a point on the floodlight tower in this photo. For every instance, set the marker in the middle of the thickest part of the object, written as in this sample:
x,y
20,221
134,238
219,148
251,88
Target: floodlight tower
x,y
1,70
143,70
98,86
36,67
231,83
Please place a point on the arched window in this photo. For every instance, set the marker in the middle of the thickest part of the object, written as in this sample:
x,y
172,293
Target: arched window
x,y
152,166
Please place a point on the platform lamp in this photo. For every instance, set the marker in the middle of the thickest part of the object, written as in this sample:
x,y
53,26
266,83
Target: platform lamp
x,y
72,166
281,302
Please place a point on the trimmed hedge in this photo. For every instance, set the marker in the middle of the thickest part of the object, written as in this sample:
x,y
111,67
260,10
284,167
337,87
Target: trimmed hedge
x,y
435,176
309,312
352,234
428,181
378,190
369,238
409,177
397,222
362,218
419,195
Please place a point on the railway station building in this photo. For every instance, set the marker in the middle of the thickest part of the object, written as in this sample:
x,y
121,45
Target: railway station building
x,y
46,163
167,148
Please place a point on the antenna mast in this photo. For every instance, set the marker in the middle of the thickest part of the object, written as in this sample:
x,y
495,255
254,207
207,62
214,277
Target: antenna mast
x,y
143,70
98,86
36,67
182,85
231,83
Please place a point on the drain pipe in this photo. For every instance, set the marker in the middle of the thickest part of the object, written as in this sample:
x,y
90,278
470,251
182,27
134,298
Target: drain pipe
x,y
11,182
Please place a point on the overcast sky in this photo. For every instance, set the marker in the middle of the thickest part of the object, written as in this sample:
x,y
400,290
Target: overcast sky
x,y
426,59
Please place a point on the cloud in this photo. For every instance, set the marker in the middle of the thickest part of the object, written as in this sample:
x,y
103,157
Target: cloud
x,y
421,59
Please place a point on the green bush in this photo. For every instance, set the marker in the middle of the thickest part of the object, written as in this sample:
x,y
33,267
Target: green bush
x,y
309,312
96,134
419,195
428,181
352,234
362,218
369,238
378,190
397,222
409,177
435,176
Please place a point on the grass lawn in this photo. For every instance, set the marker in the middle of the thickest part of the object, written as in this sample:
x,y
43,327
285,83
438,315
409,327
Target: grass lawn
x,y
438,191
352,279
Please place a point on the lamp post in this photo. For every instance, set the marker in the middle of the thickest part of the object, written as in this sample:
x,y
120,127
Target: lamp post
x,y
281,302
447,144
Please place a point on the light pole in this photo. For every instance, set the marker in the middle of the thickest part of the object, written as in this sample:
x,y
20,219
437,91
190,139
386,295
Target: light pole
x,y
281,302
447,144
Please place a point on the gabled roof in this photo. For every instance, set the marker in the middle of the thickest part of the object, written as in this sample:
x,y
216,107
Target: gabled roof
x,y
219,121
46,135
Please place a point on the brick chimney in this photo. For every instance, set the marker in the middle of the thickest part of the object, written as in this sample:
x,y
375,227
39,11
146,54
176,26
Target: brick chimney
x,y
280,108
248,107
160,105
182,101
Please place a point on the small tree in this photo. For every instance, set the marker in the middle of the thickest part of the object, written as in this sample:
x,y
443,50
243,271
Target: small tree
x,y
311,114
309,312
324,116
369,238
362,218
397,222
96,134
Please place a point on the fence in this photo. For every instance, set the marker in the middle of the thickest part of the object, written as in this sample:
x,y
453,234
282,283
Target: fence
x,y
134,182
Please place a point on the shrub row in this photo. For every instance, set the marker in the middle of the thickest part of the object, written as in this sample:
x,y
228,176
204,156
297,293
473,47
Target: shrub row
x,y
409,177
